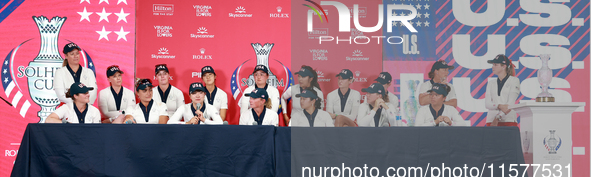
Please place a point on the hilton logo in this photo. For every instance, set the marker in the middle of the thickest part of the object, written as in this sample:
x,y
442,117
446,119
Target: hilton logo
x,y
163,9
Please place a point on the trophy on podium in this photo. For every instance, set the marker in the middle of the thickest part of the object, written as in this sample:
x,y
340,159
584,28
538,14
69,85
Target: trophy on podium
x,y
262,52
48,61
545,77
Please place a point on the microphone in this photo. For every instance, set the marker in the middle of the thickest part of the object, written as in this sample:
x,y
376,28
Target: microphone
x,y
198,106
225,122
255,123
64,121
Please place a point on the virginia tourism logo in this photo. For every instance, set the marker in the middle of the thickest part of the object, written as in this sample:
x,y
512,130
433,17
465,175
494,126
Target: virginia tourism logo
x,y
202,10
319,54
163,31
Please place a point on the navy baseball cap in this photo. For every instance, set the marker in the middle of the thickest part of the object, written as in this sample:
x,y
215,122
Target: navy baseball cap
x,y
70,47
345,74
384,78
375,88
143,84
207,69
160,67
111,70
78,87
262,68
441,64
500,59
307,94
305,72
439,89
258,93
196,86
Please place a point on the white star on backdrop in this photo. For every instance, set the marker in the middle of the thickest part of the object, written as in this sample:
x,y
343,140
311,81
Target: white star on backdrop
x,y
419,14
6,62
124,1
107,1
90,64
419,23
427,15
104,15
5,71
84,0
84,15
103,34
122,16
5,79
121,34
426,23
426,6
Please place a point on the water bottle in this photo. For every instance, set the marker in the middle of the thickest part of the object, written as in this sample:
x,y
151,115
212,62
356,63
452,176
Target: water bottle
x,y
398,121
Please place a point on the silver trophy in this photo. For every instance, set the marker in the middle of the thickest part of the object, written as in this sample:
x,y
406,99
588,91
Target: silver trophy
x,y
545,77
41,70
411,105
263,52
552,143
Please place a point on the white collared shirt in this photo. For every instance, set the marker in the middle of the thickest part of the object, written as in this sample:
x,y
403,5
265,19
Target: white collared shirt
x,y
67,112
220,100
273,93
270,118
63,80
509,94
158,109
295,102
108,105
211,115
322,119
365,116
333,103
425,118
174,100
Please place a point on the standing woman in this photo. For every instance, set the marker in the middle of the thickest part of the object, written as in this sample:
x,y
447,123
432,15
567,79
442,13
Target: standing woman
x,y
376,112
214,96
343,103
78,110
116,98
147,111
502,92
307,79
259,112
438,74
166,93
197,111
261,74
310,115
71,72
438,113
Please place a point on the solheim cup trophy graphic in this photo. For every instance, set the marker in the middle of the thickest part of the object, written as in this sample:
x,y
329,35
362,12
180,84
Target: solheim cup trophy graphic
x,y
263,52
545,77
41,70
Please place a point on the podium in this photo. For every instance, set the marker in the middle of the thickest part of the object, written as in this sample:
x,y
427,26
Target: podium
x,y
546,132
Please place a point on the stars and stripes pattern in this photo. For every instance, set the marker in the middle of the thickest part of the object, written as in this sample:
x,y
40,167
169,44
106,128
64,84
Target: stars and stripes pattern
x,y
12,90
7,8
104,9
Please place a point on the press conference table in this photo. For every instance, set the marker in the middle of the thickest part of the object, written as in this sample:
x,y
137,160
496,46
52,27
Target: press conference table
x,y
232,150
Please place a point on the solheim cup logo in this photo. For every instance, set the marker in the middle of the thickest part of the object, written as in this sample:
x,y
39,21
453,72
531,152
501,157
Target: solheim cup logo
x,y
552,142
262,52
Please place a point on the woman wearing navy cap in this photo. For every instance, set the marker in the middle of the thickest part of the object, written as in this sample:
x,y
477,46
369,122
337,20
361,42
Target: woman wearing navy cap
x,y
147,111
70,72
502,92
165,92
343,103
259,112
311,115
260,74
197,111
438,74
307,79
376,112
438,113
116,98
386,80
214,95
77,111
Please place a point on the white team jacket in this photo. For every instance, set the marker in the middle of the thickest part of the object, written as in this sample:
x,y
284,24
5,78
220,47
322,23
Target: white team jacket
x,y
509,94
158,109
333,103
63,80
220,101
107,102
295,102
322,119
67,112
270,118
175,99
425,118
211,115
273,93
365,116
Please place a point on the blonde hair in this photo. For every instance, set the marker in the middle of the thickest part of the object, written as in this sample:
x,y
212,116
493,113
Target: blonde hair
x,y
268,104
65,63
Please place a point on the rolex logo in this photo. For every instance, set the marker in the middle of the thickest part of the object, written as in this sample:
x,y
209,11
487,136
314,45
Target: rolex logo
x,y
357,73
279,9
202,50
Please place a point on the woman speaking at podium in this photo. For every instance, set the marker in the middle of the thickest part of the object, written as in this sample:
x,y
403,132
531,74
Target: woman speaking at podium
x,y
501,92
259,112
116,98
438,113
307,79
214,95
197,111
165,92
71,72
261,75
147,111
78,110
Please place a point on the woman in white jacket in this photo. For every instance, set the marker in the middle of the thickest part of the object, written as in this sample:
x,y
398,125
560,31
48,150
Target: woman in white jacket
x,y
147,111
79,110
343,103
261,75
311,115
70,72
437,113
502,92
115,99
214,95
197,112
259,112
165,92
307,79
376,112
